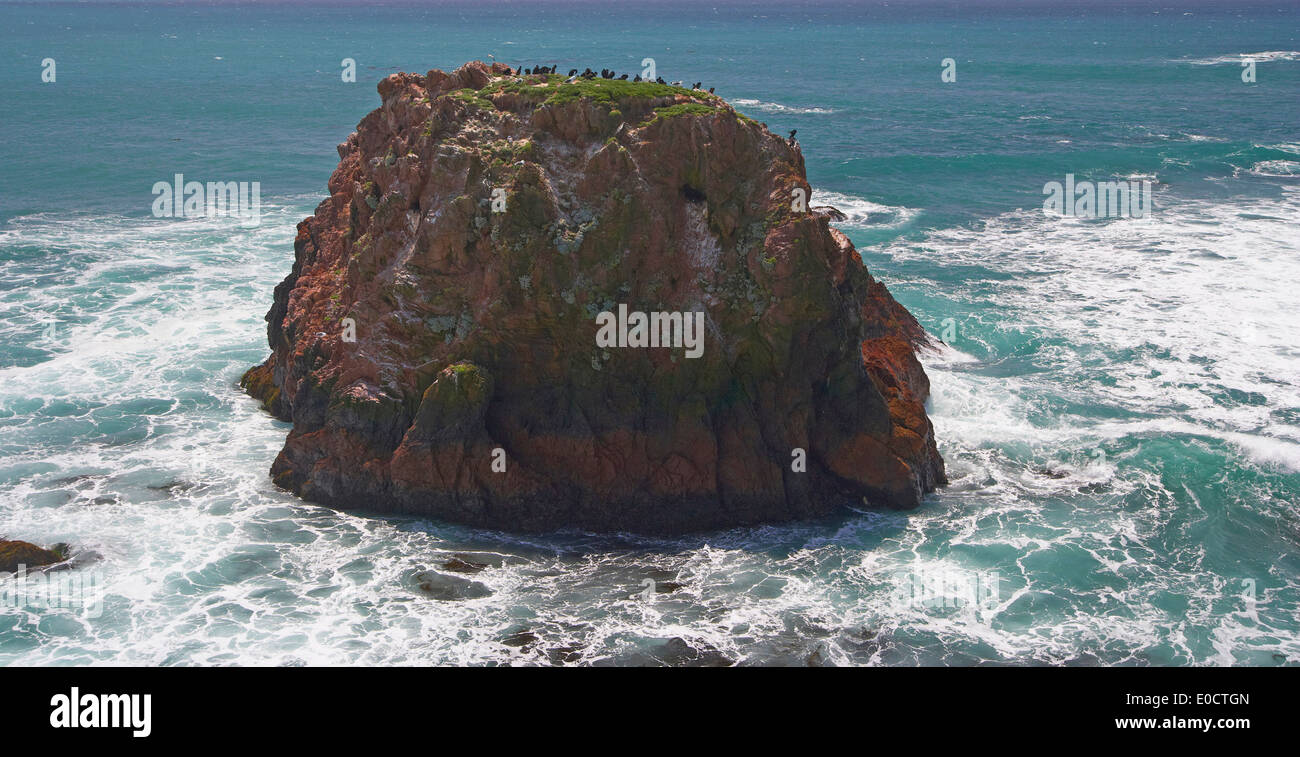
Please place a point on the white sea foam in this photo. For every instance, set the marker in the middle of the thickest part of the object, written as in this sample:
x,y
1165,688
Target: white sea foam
x,y
863,213
767,107
1177,323
1275,169
128,437
1199,287
1266,56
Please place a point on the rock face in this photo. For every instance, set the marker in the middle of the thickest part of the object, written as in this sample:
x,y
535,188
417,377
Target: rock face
x,y
479,224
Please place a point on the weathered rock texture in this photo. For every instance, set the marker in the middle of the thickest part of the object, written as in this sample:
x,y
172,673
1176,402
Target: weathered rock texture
x,y
475,329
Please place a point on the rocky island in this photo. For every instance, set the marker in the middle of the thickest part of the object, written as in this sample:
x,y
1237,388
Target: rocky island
x,y
440,345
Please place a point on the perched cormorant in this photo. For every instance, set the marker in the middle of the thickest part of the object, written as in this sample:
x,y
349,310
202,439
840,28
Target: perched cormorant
x,y
697,85
792,133
710,90
638,78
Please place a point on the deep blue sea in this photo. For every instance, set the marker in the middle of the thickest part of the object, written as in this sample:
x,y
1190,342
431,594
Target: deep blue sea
x,y
1118,400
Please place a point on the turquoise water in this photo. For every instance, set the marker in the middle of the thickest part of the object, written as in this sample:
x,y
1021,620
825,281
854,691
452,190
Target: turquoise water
x,y
1118,401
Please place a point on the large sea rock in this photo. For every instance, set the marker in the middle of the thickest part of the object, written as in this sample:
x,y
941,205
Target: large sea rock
x,y
475,325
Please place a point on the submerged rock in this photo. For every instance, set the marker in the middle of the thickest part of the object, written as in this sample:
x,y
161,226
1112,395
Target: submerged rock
x,y
436,343
450,588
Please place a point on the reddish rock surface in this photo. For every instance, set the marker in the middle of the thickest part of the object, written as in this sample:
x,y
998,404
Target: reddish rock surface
x,y
475,327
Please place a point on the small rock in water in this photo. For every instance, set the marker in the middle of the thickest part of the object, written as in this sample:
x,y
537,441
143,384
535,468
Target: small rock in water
x,y
678,652
461,565
564,655
522,639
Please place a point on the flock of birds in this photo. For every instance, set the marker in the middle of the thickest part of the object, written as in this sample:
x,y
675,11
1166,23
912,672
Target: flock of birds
x,y
605,73
608,73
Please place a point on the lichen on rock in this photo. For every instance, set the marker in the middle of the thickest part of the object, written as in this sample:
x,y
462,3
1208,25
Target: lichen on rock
x,y
478,222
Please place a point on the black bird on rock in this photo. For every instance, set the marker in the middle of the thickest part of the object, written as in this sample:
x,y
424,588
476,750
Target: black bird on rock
x,y
792,133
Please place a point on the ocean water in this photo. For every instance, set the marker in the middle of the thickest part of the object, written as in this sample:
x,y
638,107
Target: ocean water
x,y
1118,401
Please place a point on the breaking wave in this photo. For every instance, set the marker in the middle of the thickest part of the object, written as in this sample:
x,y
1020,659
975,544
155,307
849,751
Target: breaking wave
x,y
767,107
1267,56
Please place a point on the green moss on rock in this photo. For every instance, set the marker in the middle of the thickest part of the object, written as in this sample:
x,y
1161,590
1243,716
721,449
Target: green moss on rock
x,y
681,109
